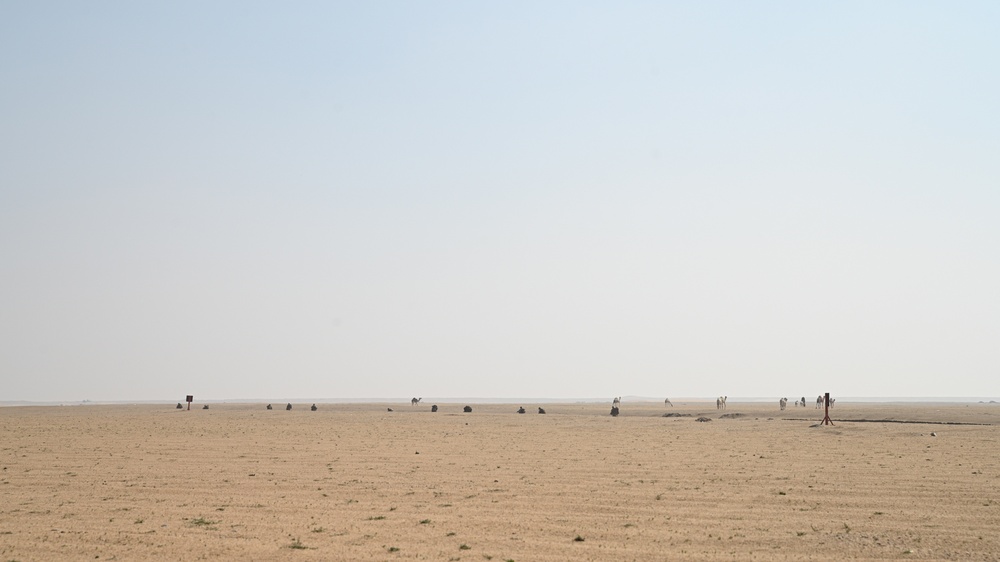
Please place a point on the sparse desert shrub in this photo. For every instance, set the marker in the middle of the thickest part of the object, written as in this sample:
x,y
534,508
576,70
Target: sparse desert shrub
x,y
202,522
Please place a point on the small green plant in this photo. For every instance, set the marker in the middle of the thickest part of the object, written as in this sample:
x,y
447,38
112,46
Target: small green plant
x,y
318,530
782,494
424,521
297,545
376,518
138,521
393,549
464,546
202,522
800,533
578,539
451,534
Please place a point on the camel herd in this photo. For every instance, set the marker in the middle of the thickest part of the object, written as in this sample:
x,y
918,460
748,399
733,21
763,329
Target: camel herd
x,y
802,402
720,403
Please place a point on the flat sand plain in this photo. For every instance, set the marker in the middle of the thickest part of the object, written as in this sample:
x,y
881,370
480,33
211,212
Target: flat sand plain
x,y
355,482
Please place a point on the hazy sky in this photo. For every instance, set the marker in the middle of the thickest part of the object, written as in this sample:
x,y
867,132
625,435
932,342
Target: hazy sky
x,y
496,199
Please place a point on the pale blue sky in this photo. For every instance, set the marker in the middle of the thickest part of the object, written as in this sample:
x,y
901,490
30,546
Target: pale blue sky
x,y
536,199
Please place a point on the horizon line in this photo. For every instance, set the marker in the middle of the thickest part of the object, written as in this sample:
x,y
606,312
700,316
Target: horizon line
x,y
494,400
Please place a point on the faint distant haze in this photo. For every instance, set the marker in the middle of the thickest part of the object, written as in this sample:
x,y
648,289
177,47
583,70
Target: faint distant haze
x,y
519,199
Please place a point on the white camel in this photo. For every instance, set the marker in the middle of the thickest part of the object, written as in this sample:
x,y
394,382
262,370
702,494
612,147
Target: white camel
x,y
783,402
720,402
819,402
617,402
415,401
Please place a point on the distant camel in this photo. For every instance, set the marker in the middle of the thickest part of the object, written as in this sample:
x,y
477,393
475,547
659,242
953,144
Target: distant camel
x,y
803,404
467,409
720,403
434,408
313,407
819,402
832,400
667,402
288,406
520,410
617,402
783,402
415,401
541,410
269,407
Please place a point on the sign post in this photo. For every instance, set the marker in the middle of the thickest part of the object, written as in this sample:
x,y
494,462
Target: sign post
x,y
190,399
826,409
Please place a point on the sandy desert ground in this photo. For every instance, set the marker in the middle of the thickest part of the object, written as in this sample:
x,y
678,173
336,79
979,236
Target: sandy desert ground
x,y
355,482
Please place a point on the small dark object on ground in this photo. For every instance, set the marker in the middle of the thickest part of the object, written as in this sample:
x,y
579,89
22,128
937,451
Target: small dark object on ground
x,y
676,415
388,409
703,419
614,410
731,416
179,407
467,409
205,407
288,406
520,410
269,407
314,408
434,408
541,410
